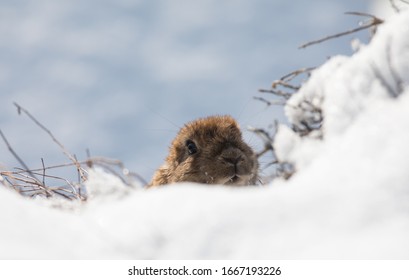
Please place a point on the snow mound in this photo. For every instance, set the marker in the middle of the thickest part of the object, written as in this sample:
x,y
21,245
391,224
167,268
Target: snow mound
x,y
348,198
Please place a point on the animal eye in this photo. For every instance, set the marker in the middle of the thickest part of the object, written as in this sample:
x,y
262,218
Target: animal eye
x,y
191,147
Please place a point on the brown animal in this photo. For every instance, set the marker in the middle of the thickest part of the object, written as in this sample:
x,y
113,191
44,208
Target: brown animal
x,y
209,151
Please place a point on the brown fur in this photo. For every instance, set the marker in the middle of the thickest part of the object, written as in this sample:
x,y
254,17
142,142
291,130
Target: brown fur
x,y
221,155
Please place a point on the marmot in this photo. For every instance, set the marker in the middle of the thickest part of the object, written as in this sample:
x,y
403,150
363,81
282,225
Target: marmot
x,y
209,151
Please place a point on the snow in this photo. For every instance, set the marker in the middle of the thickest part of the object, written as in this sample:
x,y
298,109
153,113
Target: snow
x,y
348,198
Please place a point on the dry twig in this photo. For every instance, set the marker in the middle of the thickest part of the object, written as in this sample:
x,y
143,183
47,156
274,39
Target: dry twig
x,y
269,103
24,180
20,161
373,22
279,93
284,82
266,138
65,151
283,169
290,76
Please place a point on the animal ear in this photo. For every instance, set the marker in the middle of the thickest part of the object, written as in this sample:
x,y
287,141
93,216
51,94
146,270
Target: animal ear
x,y
234,127
232,123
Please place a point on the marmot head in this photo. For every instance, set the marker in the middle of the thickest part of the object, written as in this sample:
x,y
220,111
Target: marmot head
x,y
210,151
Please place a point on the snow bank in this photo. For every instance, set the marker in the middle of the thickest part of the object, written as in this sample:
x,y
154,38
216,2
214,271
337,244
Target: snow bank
x,y
348,199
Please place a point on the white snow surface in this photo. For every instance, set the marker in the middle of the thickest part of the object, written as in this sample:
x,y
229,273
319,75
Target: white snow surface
x,y
349,198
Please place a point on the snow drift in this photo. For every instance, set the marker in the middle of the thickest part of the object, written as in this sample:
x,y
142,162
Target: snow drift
x,y
348,198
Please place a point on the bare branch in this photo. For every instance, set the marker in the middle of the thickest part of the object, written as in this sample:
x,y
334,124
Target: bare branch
x,y
288,77
280,93
65,151
265,137
284,84
374,18
31,180
42,161
24,180
89,164
103,162
374,21
269,103
20,161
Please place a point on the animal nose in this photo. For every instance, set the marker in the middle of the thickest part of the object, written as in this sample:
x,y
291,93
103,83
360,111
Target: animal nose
x,y
233,160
